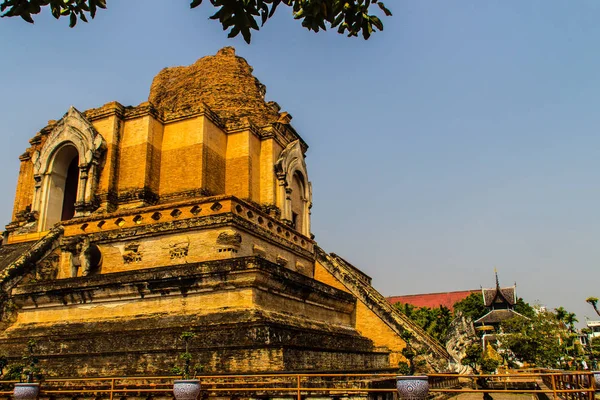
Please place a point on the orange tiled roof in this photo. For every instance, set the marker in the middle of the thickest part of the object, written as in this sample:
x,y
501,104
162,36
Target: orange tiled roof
x,y
446,299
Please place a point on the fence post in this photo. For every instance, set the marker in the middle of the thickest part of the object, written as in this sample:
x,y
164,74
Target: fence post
x,y
298,382
554,386
112,388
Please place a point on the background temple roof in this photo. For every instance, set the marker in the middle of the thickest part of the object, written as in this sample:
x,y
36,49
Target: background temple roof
x,y
432,300
508,293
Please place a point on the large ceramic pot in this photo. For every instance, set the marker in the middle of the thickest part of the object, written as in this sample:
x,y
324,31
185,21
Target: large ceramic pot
x,y
412,387
186,389
26,391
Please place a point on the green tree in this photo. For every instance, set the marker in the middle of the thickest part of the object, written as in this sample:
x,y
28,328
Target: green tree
x,y
434,321
568,318
471,307
542,341
524,308
351,17
478,361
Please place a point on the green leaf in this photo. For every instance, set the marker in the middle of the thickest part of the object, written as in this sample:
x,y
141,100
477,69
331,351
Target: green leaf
x,y
252,23
377,22
55,10
72,20
387,12
338,20
233,32
92,9
34,8
27,17
246,34
274,7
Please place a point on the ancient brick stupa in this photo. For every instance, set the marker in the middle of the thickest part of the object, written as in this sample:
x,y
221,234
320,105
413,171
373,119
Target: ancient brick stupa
x,y
188,212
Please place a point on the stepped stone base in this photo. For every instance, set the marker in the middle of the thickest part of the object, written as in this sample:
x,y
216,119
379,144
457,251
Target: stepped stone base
x,y
249,315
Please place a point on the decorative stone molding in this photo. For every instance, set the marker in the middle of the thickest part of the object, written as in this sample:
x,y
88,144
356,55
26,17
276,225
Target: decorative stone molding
x,y
291,163
229,238
179,250
76,131
281,261
259,251
131,253
86,257
47,269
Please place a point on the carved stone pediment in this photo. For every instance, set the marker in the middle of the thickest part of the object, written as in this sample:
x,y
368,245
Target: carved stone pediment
x,y
73,128
73,133
291,163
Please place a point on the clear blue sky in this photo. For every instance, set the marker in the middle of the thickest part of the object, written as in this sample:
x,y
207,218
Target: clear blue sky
x,y
463,137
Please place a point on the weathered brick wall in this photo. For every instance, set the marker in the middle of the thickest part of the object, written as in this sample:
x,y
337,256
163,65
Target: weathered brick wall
x,y
249,316
368,323
206,130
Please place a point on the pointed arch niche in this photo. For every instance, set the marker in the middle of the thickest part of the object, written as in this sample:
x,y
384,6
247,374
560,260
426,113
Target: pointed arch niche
x,y
66,170
294,195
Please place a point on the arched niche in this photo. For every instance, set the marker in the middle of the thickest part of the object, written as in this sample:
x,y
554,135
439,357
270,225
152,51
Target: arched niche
x,y
66,170
61,190
294,196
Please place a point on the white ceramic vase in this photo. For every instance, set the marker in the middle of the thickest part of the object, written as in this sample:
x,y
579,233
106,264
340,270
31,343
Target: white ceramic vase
x,y
26,391
186,389
412,387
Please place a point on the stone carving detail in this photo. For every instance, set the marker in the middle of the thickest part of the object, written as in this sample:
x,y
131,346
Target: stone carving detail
x,y
300,267
229,238
259,251
178,250
47,269
85,257
72,130
290,163
281,261
27,215
460,335
26,221
132,253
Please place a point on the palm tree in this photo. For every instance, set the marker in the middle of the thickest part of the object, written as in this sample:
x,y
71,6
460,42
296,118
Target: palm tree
x,y
570,320
561,313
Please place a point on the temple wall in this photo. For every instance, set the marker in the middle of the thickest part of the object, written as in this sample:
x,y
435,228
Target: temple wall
x,y
109,128
154,164
367,322
134,154
144,161
254,149
128,308
214,154
25,184
270,151
238,165
186,247
181,157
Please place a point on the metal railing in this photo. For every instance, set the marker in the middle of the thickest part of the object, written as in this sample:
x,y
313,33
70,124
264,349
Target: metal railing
x,y
572,385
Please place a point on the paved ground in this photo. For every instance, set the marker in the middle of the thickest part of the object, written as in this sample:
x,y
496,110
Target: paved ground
x,y
495,396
